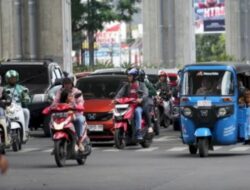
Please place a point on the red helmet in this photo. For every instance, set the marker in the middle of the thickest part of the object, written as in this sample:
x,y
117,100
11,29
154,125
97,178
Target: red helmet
x,y
162,73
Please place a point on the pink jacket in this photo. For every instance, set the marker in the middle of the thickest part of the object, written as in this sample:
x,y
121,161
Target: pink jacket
x,y
78,101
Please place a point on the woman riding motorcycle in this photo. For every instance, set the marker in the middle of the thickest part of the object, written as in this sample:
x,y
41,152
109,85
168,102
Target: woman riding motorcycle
x,y
77,101
133,89
17,93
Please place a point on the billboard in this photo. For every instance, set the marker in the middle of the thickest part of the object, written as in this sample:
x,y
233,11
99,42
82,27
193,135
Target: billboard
x,y
209,16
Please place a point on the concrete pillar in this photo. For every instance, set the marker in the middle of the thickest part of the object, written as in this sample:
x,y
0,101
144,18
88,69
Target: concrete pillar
x,y
53,32
168,33
6,29
238,29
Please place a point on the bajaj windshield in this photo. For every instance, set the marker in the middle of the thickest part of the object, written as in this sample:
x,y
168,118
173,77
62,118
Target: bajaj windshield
x,y
207,83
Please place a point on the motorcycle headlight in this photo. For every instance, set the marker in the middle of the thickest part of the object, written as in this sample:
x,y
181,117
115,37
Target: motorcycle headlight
x,y
187,112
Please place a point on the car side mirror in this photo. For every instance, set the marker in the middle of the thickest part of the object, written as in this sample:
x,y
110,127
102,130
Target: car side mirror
x,y
112,95
57,82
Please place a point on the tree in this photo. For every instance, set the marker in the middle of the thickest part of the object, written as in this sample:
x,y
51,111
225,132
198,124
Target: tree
x,y
211,47
125,11
89,15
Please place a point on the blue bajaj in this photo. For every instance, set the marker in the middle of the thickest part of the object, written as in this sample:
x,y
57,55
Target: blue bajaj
x,y
211,113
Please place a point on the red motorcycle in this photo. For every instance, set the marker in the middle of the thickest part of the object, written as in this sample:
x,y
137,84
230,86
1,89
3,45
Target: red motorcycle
x,y
64,135
125,132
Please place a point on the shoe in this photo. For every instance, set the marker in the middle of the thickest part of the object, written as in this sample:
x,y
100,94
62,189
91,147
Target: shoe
x,y
139,135
81,148
150,130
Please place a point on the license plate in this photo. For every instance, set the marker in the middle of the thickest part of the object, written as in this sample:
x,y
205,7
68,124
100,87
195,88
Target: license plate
x,y
95,127
204,103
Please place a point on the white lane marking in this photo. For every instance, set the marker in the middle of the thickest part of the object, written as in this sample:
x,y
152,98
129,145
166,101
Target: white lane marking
x,y
111,150
48,150
30,149
217,147
177,149
239,149
147,149
165,139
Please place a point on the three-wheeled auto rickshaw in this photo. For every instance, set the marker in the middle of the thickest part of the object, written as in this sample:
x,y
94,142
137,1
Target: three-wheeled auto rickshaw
x,y
214,108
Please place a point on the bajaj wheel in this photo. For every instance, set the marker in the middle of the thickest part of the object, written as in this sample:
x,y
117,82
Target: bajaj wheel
x,y
203,147
60,152
193,149
119,138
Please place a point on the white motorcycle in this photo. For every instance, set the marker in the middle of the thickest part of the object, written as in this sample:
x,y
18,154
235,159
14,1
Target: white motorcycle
x,y
5,137
19,136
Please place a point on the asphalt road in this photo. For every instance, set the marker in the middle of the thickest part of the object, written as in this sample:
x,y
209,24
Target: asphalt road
x,y
166,165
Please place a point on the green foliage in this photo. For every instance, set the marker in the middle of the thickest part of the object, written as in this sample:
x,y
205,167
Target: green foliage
x,y
211,47
126,9
98,65
91,15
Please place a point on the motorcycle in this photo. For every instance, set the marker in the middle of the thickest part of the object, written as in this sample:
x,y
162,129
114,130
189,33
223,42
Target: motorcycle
x,y
64,134
164,106
125,132
5,137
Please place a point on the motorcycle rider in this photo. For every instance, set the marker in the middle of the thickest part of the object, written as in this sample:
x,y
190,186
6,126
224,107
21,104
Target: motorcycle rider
x,y
18,93
162,84
132,89
149,103
79,121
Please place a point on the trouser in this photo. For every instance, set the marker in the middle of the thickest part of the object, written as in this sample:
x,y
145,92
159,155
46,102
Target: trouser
x,y
26,114
79,124
147,109
138,118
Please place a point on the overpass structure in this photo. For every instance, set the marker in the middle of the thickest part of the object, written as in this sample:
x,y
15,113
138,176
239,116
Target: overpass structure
x,y
36,29
42,29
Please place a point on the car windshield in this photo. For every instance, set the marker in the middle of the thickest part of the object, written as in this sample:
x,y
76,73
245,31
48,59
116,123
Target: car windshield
x,y
208,83
100,88
34,77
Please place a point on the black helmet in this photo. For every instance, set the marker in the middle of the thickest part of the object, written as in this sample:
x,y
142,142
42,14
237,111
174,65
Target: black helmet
x,y
142,75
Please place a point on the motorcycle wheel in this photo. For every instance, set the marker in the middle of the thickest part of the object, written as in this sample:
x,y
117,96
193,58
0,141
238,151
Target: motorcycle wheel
x,y
146,143
157,122
119,138
166,122
16,141
203,147
193,149
46,127
20,141
60,152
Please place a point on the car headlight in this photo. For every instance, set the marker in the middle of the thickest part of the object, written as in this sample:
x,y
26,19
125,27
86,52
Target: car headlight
x,y
187,112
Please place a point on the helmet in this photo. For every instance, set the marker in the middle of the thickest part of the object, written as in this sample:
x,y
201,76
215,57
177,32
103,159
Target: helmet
x,y
162,73
142,75
11,73
133,72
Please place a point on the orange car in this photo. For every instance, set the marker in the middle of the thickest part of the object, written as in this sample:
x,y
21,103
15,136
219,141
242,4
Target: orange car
x,y
98,92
